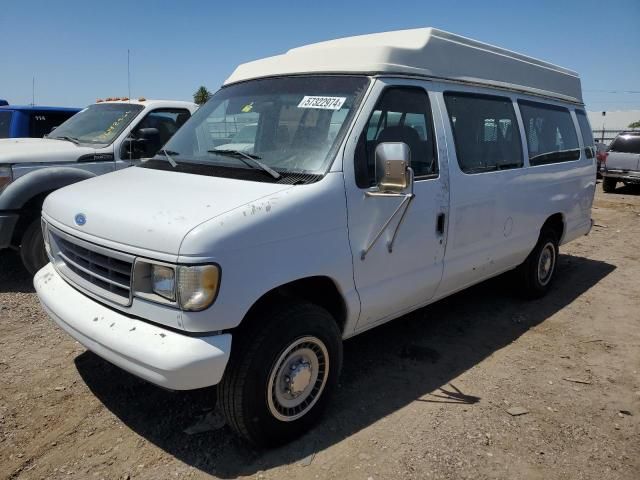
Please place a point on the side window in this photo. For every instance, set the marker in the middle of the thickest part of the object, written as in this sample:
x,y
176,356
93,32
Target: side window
x,y
166,121
402,114
587,134
485,132
551,134
42,123
5,124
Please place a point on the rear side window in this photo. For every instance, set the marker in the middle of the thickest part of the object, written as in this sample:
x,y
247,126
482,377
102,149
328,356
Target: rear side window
x,y
403,114
42,123
485,131
587,133
5,124
551,134
626,143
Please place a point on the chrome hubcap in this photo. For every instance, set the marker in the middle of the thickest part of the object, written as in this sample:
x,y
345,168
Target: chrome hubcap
x,y
297,378
546,263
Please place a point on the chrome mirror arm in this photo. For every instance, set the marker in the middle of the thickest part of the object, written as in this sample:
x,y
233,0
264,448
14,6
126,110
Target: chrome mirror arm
x,y
406,201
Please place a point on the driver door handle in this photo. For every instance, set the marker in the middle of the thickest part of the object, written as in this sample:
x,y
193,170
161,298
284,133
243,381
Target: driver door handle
x,y
440,220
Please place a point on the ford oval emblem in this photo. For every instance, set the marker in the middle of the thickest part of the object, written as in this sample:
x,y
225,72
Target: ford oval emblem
x,y
80,219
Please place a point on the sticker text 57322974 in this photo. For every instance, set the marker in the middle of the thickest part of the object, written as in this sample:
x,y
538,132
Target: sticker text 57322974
x,y
324,103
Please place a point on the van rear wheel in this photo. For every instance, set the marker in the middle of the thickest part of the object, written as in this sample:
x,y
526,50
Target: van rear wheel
x,y
280,377
609,184
32,251
538,270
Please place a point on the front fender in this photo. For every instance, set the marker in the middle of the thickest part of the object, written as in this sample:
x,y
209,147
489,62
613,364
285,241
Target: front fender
x,y
37,182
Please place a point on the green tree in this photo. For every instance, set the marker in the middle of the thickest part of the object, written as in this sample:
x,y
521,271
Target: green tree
x,y
635,124
202,95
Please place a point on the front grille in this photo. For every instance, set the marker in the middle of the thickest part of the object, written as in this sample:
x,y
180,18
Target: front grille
x,y
98,270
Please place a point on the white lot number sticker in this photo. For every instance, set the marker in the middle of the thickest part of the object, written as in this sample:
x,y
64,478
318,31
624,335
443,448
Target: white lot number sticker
x,y
324,103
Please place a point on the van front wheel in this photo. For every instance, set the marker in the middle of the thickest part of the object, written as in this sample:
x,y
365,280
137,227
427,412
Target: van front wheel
x,y
538,270
281,373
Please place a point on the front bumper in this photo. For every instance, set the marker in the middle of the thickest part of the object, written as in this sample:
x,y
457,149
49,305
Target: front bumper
x,y
158,355
7,224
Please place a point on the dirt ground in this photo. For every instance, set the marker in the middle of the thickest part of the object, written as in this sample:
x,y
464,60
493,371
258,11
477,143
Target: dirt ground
x,y
423,397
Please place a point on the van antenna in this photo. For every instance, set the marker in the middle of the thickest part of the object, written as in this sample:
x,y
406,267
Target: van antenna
x,y
128,75
33,91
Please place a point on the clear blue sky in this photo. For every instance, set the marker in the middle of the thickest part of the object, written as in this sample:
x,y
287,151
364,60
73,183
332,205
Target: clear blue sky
x,y
77,50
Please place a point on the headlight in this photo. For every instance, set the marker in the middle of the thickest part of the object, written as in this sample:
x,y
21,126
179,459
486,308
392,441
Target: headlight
x,y
191,288
163,281
6,176
197,286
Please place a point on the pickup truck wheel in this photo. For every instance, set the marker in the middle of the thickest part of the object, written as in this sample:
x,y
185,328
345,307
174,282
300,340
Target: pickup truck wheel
x,y
609,184
279,378
538,270
32,251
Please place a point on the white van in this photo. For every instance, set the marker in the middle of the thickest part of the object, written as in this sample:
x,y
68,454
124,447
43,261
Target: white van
x,y
388,171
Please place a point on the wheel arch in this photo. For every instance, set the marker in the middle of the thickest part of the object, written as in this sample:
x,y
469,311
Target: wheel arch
x,y
557,223
26,195
319,290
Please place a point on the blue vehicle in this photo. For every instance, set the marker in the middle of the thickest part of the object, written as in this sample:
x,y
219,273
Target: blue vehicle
x,y
17,121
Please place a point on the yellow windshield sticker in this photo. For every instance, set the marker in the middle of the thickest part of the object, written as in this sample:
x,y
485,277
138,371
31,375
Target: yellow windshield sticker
x,y
247,108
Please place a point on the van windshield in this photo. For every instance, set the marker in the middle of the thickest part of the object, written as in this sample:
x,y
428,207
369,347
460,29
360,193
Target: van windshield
x,y
97,124
287,124
5,124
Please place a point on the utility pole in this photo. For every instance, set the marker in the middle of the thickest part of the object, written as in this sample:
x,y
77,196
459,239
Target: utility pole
x,y
603,115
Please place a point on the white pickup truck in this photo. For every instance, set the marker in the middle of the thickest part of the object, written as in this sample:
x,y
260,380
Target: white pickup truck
x,y
622,161
103,137
385,172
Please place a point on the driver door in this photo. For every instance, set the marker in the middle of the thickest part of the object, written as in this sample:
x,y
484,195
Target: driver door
x,y
391,283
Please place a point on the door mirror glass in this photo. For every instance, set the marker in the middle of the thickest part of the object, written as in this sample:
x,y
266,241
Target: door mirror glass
x,y
392,160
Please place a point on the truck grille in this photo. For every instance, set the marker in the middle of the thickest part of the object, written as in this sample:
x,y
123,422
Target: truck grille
x,y
98,270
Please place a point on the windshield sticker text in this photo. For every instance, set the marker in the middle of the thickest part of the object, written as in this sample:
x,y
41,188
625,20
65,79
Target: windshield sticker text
x,y
324,103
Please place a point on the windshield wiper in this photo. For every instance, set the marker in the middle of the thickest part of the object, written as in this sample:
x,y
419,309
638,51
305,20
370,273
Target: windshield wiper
x,y
248,159
167,154
67,138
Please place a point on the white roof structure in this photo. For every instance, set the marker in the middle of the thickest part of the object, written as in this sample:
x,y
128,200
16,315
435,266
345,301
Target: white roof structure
x,y
425,52
148,102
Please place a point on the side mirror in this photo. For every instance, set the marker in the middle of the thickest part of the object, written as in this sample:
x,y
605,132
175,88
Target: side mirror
x,y
392,161
147,132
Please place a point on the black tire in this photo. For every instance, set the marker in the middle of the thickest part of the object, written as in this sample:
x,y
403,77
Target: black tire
x,y
32,251
536,275
609,184
250,380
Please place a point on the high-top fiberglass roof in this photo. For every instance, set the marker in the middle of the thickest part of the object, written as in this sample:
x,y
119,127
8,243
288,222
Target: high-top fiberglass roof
x,y
426,52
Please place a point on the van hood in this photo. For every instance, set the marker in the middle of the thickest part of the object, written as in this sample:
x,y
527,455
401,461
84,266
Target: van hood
x,y
41,150
149,209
